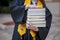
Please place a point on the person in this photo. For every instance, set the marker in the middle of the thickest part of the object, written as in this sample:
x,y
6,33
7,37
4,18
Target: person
x,y
19,10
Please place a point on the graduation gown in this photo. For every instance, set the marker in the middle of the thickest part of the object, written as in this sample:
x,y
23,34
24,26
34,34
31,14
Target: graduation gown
x,y
19,15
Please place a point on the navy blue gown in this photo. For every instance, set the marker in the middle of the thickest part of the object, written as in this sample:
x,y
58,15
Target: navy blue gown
x,y
19,15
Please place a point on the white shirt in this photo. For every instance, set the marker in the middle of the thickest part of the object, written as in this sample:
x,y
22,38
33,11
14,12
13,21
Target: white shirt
x,y
33,2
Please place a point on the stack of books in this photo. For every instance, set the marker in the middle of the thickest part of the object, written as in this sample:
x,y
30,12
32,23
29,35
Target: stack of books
x,y
36,17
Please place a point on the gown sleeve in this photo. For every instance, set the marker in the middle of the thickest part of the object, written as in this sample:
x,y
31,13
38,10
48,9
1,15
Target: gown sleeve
x,y
43,31
17,10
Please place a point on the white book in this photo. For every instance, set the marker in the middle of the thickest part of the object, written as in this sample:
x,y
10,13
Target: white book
x,y
36,17
36,11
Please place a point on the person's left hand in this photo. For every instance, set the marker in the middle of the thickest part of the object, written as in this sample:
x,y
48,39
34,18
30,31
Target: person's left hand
x,y
32,27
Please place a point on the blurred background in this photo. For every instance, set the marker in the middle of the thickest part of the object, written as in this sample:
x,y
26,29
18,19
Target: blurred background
x,y
7,24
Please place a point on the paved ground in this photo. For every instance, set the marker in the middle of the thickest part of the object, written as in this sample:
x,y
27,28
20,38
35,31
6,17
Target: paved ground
x,y
6,31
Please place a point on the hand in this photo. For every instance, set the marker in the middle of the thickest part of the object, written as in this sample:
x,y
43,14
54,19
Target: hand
x,y
34,7
34,28
26,7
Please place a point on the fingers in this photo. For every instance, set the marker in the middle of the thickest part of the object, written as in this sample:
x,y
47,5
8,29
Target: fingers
x,y
26,7
32,27
31,7
34,7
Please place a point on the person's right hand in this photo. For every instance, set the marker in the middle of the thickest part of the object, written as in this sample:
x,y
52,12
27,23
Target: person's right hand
x,y
34,7
26,7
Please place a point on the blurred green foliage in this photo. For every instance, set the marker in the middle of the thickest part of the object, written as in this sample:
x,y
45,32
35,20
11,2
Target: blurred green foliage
x,y
5,9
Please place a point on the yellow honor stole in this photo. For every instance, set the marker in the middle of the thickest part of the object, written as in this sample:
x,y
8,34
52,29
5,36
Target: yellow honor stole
x,y
21,30
22,27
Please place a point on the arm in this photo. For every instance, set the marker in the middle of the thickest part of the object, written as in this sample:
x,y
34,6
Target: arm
x,y
17,10
44,30
17,5
43,33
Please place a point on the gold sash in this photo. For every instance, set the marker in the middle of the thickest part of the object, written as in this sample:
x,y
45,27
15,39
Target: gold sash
x,y
21,29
